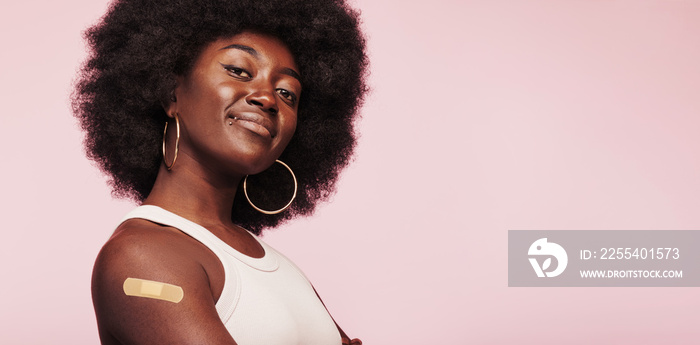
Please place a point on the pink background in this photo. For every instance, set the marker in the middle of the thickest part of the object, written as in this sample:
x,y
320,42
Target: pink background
x,y
485,116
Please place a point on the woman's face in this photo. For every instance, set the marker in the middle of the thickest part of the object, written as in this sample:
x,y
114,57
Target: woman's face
x,y
238,104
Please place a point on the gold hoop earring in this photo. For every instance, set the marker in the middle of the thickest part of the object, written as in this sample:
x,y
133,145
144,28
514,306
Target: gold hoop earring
x,y
245,191
177,141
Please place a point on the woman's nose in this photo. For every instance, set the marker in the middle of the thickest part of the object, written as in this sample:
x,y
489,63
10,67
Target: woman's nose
x,y
263,97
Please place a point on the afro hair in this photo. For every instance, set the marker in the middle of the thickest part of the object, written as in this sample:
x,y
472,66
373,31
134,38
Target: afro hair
x,y
138,47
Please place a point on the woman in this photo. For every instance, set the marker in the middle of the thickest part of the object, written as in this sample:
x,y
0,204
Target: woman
x,y
216,115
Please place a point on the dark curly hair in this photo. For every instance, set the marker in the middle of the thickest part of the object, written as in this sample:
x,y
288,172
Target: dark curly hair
x,y
138,47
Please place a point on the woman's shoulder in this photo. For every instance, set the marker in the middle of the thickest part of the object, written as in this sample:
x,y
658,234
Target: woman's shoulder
x,y
141,248
139,239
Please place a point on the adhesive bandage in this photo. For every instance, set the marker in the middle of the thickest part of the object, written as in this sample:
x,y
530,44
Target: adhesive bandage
x,y
152,289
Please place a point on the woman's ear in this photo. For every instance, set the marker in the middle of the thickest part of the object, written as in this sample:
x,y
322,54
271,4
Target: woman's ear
x,y
169,101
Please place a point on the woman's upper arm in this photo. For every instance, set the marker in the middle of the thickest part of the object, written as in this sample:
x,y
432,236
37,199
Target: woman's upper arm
x,y
145,320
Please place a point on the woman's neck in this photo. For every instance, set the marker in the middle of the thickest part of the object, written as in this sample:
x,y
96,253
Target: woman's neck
x,y
193,193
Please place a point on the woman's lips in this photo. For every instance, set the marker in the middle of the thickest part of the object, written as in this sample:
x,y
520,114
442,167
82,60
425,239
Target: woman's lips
x,y
255,123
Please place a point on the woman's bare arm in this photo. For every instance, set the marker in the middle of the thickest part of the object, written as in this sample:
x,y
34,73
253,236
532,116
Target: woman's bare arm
x,y
151,253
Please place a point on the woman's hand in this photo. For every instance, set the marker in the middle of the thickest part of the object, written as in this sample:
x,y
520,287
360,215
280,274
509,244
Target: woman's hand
x,y
343,337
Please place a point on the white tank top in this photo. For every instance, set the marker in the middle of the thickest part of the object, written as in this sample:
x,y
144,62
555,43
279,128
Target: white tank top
x,y
265,301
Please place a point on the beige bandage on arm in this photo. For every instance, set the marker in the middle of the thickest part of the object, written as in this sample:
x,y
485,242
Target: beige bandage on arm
x,y
152,289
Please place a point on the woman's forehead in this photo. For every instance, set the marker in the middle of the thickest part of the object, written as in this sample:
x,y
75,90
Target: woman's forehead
x,y
257,45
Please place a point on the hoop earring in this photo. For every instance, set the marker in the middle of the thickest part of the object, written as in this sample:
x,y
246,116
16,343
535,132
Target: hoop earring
x,y
245,191
177,141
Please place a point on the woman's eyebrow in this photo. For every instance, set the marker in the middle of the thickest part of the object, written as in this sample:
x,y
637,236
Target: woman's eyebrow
x,y
246,49
292,73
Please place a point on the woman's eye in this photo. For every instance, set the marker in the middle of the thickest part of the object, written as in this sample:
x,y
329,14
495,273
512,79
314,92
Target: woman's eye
x,y
239,72
286,94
